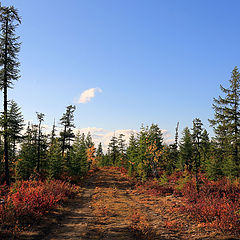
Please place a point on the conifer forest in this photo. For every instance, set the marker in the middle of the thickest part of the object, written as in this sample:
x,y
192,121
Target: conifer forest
x,y
61,185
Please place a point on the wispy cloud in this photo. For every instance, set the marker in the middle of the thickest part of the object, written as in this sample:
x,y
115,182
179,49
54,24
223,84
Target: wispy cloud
x,y
88,94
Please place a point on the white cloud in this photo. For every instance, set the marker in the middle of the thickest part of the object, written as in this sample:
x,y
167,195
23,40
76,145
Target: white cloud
x,y
104,136
88,94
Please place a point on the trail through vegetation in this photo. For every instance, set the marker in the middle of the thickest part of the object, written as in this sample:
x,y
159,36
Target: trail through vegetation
x,y
110,207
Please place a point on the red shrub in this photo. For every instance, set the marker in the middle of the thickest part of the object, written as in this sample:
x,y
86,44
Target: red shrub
x,y
152,187
31,199
217,204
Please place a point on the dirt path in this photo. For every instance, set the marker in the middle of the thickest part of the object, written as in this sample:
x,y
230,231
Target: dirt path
x,y
108,209
85,219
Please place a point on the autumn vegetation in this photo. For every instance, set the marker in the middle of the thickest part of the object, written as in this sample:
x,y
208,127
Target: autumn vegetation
x,y
38,170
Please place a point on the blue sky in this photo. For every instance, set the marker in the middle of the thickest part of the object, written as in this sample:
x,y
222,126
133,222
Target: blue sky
x,y
156,61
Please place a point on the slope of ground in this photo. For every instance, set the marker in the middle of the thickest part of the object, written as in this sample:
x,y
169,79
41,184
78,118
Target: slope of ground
x,y
109,208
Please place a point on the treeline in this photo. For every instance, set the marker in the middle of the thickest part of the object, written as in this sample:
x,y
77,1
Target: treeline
x,y
147,156
35,154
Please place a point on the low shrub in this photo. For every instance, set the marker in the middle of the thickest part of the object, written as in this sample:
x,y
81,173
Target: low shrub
x,y
153,187
27,201
217,204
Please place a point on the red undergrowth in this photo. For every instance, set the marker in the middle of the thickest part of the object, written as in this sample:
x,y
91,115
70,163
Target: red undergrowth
x,y
27,201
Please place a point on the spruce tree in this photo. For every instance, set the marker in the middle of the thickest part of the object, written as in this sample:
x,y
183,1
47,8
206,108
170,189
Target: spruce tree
x,y
226,122
132,154
186,150
173,153
143,166
78,165
155,141
15,126
122,151
9,49
155,136
40,117
113,149
99,152
54,157
89,141
53,132
100,155
27,161
67,135
205,148
197,146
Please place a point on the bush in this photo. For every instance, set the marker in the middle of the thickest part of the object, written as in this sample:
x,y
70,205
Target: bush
x,y
29,200
217,204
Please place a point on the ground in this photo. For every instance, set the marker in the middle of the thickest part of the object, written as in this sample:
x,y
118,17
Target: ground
x,y
109,207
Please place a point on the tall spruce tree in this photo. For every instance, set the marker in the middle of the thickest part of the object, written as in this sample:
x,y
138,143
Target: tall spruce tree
x,y
226,122
197,146
40,117
173,153
53,132
67,135
9,49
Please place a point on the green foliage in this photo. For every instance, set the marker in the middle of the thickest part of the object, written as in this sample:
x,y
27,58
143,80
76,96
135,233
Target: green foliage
x,y
26,163
141,172
15,126
67,135
205,149
230,168
78,165
113,151
28,155
163,179
55,161
226,122
186,150
9,46
40,117
144,152
100,156
183,180
132,155
88,141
